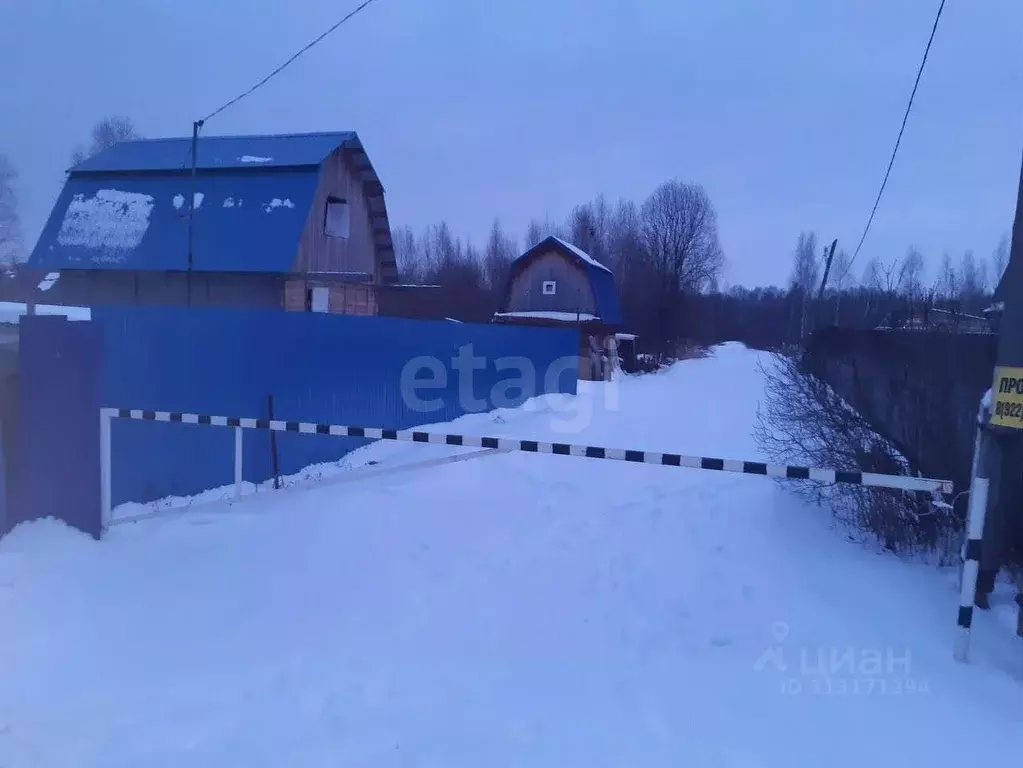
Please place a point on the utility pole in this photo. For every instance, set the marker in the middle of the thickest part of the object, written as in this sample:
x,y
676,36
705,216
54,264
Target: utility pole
x,y
804,304
827,268
191,210
998,456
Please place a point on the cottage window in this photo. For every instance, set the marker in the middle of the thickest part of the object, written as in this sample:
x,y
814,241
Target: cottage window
x,y
337,218
550,287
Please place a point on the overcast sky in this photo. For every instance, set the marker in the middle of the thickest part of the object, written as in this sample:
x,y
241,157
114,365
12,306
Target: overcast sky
x,y
785,110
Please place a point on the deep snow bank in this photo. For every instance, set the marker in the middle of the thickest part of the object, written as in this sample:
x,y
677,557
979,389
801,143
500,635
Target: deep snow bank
x,y
509,611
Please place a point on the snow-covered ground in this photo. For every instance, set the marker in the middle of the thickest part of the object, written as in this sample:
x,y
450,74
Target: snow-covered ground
x,y
515,610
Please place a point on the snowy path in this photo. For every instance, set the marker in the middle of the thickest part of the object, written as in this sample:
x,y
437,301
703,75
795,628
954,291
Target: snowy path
x,y
516,610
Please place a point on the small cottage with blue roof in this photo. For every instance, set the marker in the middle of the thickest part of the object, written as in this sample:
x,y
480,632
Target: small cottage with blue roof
x,y
556,284
292,222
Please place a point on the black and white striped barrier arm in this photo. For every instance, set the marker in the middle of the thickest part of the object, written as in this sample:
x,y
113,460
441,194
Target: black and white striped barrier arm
x,y
898,482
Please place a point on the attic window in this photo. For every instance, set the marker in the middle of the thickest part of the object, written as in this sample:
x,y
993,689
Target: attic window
x,y
336,219
550,287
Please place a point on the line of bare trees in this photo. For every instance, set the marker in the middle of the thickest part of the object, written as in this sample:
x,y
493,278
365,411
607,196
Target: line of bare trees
x,y
12,245
886,291
970,280
662,251
668,261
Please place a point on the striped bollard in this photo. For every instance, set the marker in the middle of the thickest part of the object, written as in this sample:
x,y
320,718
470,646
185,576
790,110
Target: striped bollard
x,y
980,486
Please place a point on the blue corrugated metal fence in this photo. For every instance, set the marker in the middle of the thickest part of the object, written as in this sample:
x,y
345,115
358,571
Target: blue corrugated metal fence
x,y
318,367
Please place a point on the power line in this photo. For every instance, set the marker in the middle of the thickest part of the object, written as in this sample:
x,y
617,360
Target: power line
x,y
283,66
898,140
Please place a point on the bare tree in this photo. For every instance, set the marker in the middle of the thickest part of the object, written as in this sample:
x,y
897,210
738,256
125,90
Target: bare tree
x,y
589,228
806,268
970,284
625,238
107,132
947,284
984,279
680,232
841,278
889,279
1000,260
911,274
539,229
804,420
498,256
406,253
11,242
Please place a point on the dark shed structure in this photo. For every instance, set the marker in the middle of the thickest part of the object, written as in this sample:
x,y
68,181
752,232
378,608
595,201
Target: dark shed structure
x,y
556,284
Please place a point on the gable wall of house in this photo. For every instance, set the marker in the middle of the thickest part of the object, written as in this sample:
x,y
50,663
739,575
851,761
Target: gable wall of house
x,y
318,251
572,286
342,298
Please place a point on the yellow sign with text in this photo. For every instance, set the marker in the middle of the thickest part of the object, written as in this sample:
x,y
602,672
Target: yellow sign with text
x,y
1007,400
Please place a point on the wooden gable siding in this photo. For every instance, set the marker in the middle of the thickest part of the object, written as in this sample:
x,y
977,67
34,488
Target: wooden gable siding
x,y
572,292
319,253
343,298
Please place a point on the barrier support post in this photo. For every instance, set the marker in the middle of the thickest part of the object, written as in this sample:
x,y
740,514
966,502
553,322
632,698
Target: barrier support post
x,y
238,462
106,419
980,486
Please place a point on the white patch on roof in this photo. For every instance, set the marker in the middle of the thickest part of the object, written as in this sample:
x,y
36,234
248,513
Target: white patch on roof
x,y
112,222
254,159
568,317
582,254
278,203
229,202
49,281
179,200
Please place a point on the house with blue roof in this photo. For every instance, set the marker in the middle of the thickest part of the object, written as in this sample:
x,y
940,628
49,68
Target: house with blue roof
x,y
293,222
556,284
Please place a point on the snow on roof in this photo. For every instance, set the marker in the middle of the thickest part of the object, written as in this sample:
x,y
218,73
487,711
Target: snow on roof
x,y
582,254
567,317
278,203
219,152
111,222
141,222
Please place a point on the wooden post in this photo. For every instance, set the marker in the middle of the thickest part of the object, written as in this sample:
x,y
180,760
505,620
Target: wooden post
x,y
274,464
191,212
239,441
